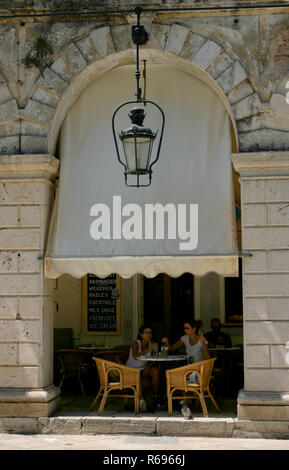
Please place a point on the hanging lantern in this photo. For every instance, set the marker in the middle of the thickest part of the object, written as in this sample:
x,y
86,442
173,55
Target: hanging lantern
x,y
137,140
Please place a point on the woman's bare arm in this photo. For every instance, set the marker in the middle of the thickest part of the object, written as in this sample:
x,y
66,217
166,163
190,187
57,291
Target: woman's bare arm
x,y
172,347
205,348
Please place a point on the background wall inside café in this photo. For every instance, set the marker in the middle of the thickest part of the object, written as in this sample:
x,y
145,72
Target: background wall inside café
x,y
68,310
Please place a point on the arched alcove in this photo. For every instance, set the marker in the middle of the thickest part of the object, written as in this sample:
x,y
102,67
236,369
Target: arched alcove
x,y
110,62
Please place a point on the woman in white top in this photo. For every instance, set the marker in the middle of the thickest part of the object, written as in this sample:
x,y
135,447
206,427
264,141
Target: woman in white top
x,y
142,347
196,345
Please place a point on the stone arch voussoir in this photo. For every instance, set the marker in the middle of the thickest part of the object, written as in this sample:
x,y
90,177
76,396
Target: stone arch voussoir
x,y
82,60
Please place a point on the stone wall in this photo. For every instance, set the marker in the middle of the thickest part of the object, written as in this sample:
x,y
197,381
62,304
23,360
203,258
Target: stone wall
x,y
265,226
246,54
26,297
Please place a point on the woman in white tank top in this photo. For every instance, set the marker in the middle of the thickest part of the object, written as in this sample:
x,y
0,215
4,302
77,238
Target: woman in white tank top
x,y
196,345
142,347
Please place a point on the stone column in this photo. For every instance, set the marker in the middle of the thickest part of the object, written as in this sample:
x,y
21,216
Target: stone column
x,y
26,297
264,179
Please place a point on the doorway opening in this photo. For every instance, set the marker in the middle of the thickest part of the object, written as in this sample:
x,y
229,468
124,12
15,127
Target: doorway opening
x,y
168,302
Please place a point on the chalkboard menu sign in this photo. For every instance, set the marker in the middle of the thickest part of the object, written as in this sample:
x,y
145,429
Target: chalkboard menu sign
x,y
101,305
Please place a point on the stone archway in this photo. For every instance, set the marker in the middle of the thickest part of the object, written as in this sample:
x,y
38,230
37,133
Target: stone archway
x,y
32,126
29,183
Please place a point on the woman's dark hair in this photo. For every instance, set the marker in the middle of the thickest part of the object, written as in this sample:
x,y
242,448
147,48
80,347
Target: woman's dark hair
x,y
194,324
142,328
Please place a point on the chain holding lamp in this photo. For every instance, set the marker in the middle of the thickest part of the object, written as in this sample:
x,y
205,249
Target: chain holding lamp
x,y
137,140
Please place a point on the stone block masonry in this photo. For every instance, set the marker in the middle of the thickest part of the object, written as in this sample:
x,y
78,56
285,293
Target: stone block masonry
x,y
25,321
265,196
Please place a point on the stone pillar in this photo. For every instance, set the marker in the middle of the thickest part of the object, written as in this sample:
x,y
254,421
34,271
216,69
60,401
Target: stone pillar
x,y
26,297
264,179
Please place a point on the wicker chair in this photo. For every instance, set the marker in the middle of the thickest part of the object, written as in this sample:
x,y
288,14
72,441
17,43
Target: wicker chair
x,y
177,381
72,363
128,379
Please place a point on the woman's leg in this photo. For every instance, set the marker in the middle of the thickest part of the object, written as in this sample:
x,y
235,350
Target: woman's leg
x,y
151,370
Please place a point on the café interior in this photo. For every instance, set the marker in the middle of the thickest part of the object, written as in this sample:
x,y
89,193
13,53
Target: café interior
x,y
162,302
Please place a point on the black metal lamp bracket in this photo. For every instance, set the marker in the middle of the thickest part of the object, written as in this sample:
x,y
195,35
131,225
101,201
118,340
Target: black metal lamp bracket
x,y
139,37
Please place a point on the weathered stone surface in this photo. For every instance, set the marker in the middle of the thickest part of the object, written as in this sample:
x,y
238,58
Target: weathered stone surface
x,y
278,260
73,57
263,120
257,262
262,428
145,426
221,63
267,237
192,44
96,425
260,412
278,308
278,214
9,216
266,331
37,144
38,111
196,427
9,110
280,355
239,92
8,353
206,54
159,36
257,355
260,140
53,81
8,307
20,330
27,192
121,37
266,190
255,214
20,425
87,49
29,354
19,377
176,39
256,308
9,145
102,41
66,425
232,76
5,94
42,95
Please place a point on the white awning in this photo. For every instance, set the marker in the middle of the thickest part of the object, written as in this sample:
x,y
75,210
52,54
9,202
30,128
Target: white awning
x,y
183,222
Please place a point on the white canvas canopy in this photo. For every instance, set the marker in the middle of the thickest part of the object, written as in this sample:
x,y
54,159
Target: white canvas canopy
x,y
193,173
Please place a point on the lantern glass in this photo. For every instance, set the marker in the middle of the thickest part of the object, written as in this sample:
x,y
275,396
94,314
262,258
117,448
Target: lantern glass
x,y
137,151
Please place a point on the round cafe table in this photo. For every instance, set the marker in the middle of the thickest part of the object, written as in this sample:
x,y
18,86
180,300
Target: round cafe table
x,y
161,361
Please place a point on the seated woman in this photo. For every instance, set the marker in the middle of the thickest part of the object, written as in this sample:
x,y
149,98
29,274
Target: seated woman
x,y
143,347
196,345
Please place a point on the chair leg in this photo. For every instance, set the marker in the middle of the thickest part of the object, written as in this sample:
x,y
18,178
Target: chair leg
x,y
170,404
213,400
61,382
136,404
82,388
102,403
95,400
203,403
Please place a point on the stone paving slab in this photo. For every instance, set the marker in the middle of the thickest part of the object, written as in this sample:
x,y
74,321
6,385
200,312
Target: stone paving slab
x,y
130,443
147,426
